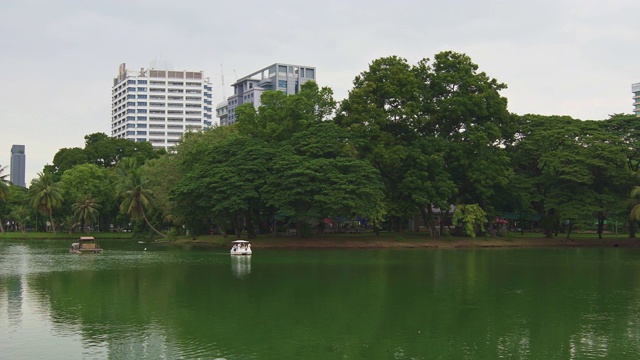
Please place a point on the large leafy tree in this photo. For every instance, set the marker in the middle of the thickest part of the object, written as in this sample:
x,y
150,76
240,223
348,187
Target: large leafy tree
x,y
314,175
463,107
47,195
433,130
573,169
192,211
382,112
85,179
133,186
222,183
281,115
4,190
103,151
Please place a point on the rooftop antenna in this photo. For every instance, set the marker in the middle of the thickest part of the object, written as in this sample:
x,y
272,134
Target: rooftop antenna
x,y
236,74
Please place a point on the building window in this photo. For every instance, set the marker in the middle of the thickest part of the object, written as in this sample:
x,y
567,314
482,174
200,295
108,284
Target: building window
x,y
311,74
142,111
142,118
142,103
131,96
131,103
131,81
142,125
131,89
131,118
131,132
142,133
142,89
130,111
131,125
142,82
142,96
282,84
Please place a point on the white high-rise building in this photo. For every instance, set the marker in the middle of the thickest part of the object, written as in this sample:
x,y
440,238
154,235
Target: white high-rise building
x,y
282,77
159,106
635,88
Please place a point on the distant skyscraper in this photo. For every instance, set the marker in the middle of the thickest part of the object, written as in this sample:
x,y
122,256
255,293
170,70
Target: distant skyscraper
x,y
635,88
17,167
282,77
159,106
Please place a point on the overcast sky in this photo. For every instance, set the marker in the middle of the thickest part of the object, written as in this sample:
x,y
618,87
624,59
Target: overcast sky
x,y
59,57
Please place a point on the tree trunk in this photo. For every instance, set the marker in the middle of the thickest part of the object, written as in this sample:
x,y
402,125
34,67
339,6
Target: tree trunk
x,y
601,218
224,233
427,217
236,227
151,226
53,226
569,228
632,229
299,228
251,231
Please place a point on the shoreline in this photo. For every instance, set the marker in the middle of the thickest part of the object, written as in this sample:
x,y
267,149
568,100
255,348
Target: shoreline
x,y
363,241
388,243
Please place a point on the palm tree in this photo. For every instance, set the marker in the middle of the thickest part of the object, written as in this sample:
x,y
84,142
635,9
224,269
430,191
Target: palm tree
x,y
21,214
132,184
46,196
86,210
4,190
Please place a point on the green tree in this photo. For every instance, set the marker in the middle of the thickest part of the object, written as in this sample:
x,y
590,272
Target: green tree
x,y
132,185
85,179
4,190
463,107
572,169
86,210
21,215
634,214
221,182
471,217
281,115
314,175
47,195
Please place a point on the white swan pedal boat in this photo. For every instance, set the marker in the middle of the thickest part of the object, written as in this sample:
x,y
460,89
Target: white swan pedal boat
x,y
240,247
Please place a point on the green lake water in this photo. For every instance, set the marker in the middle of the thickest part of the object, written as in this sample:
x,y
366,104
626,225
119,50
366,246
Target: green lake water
x,y
189,303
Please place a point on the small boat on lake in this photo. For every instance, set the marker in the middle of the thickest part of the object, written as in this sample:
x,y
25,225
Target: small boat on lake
x,y
85,245
241,247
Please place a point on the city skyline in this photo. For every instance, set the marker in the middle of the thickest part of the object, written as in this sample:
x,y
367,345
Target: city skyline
x,y
557,57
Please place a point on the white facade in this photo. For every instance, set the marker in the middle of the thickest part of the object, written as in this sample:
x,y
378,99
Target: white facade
x,y
282,77
635,88
159,106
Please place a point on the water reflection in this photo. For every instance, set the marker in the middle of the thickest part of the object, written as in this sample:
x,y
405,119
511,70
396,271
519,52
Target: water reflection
x,y
319,304
241,265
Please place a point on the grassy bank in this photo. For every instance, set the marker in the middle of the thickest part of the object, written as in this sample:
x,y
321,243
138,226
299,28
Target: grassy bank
x,y
364,240
412,239
62,235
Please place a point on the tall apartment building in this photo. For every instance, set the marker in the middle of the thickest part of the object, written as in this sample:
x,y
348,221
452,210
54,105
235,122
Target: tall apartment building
x,y
282,77
18,166
159,106
635,88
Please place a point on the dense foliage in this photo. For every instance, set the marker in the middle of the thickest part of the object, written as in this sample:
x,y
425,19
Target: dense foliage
x,y
408,142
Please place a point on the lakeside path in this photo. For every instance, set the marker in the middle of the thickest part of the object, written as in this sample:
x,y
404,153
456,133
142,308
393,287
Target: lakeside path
x,y
371,241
